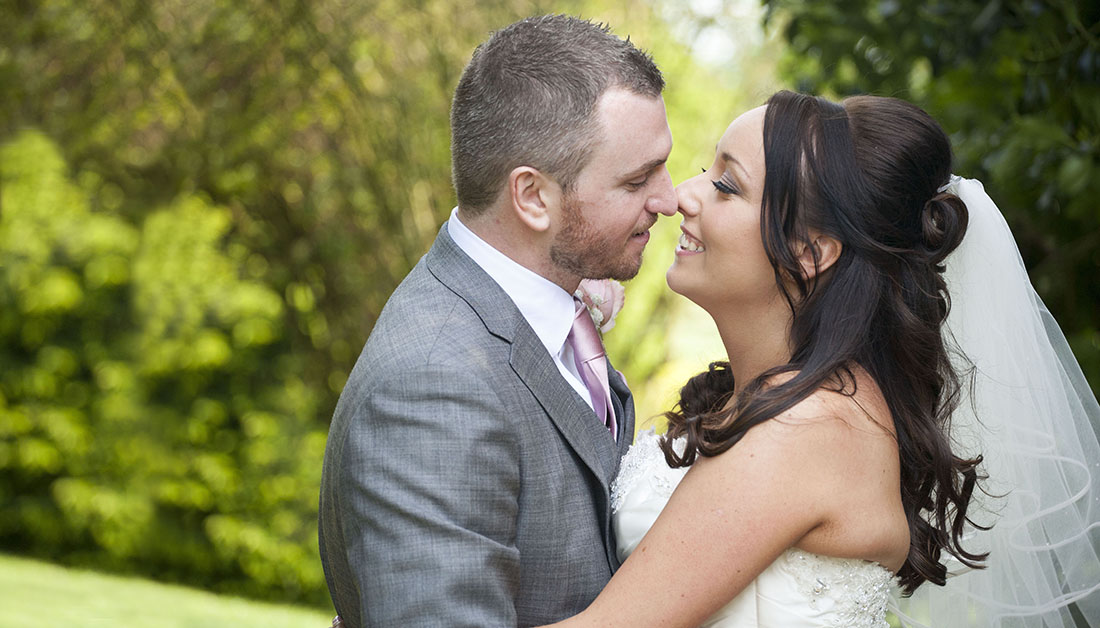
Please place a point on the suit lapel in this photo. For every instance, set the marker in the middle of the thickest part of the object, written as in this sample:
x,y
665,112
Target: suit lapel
x,y
570,414
529,359
624,408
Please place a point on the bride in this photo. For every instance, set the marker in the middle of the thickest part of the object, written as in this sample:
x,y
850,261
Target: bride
x,y
877,430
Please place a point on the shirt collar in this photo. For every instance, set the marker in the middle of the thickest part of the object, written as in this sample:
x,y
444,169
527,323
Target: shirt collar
x,y
548,309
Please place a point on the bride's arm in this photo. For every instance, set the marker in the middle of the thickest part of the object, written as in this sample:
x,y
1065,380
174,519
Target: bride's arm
x,y
729,518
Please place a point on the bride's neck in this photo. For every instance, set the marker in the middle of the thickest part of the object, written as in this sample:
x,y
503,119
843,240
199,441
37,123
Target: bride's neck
x,y
754,341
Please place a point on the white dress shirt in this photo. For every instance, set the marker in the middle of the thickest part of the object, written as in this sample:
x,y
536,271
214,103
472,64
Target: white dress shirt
x,y
547,308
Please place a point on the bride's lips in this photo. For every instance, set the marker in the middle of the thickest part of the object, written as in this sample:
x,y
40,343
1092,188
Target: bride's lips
x,y
689,244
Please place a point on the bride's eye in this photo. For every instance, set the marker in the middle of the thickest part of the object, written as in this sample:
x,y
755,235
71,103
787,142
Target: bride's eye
x,y
725,186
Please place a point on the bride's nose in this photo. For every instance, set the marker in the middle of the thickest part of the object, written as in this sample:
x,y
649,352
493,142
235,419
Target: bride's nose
x,y
687,198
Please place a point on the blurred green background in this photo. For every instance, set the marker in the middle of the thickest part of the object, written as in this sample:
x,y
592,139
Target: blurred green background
x,y
204,206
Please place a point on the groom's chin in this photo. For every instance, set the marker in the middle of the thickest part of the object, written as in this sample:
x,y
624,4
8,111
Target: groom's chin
x,y
622,269
626,273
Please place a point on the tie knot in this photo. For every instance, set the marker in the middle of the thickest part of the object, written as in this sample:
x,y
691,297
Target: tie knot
x,y
583,335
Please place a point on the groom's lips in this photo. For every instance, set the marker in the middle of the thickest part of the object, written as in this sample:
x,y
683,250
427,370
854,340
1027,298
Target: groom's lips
x,y
642,235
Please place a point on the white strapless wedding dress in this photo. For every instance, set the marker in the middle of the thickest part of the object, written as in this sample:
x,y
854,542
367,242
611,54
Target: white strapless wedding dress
x,y
798,590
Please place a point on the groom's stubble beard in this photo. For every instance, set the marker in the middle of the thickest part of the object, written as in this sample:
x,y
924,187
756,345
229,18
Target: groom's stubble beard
x,y
579,249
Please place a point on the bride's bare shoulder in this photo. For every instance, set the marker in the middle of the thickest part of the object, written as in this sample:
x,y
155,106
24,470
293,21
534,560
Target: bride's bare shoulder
x,y
850,402
835,439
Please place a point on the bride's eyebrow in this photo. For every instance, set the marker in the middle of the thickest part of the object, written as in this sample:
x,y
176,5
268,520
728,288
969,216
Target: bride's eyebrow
x,y
728,158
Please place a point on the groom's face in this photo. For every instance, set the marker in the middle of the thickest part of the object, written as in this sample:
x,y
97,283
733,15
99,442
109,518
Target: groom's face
x,y
605,218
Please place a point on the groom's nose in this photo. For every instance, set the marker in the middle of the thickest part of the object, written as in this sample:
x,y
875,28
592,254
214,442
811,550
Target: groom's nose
x,y
663,200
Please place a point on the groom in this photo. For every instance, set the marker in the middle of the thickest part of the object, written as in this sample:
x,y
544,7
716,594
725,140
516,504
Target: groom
x,y
466,475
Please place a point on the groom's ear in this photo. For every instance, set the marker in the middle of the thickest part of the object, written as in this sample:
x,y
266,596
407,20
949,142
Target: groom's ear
x,y
535,197
825,248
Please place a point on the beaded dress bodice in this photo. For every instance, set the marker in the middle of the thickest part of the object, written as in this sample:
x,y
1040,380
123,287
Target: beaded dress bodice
x,y
798,590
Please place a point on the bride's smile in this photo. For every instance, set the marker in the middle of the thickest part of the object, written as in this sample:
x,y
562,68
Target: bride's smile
x,y
688,243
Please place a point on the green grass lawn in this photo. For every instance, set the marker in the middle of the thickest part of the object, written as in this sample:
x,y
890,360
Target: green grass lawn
x,y
41,595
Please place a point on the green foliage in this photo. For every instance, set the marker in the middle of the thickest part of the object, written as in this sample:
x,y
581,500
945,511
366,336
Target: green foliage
x,y
321,128
1017,86
145,420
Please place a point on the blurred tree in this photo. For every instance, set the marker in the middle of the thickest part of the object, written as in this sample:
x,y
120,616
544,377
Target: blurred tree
x,y
1017,85
145,420
321,126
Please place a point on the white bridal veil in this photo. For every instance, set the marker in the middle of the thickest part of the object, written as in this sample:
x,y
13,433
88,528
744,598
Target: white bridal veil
x,y
1032,415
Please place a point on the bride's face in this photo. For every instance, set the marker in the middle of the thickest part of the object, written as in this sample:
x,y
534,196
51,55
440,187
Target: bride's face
x,y
720,260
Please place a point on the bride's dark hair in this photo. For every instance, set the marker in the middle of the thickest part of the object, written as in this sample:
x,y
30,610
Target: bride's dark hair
x,y
866,172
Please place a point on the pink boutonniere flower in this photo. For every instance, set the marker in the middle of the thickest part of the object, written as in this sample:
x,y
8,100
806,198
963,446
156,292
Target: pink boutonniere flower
x,y
603,298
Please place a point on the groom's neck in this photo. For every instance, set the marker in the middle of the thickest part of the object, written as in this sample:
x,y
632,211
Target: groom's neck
x,y
530,249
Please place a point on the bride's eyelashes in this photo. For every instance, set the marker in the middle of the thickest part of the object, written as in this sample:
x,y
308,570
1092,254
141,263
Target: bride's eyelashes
x,y
725,184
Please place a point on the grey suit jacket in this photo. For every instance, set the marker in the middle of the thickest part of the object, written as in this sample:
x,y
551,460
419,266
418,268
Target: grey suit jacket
x,y
465,482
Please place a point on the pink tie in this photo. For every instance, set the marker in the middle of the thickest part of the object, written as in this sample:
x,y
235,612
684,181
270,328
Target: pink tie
x,y
591,361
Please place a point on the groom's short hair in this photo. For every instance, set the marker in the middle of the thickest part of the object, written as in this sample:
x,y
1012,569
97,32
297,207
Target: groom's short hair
x,y
528,98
